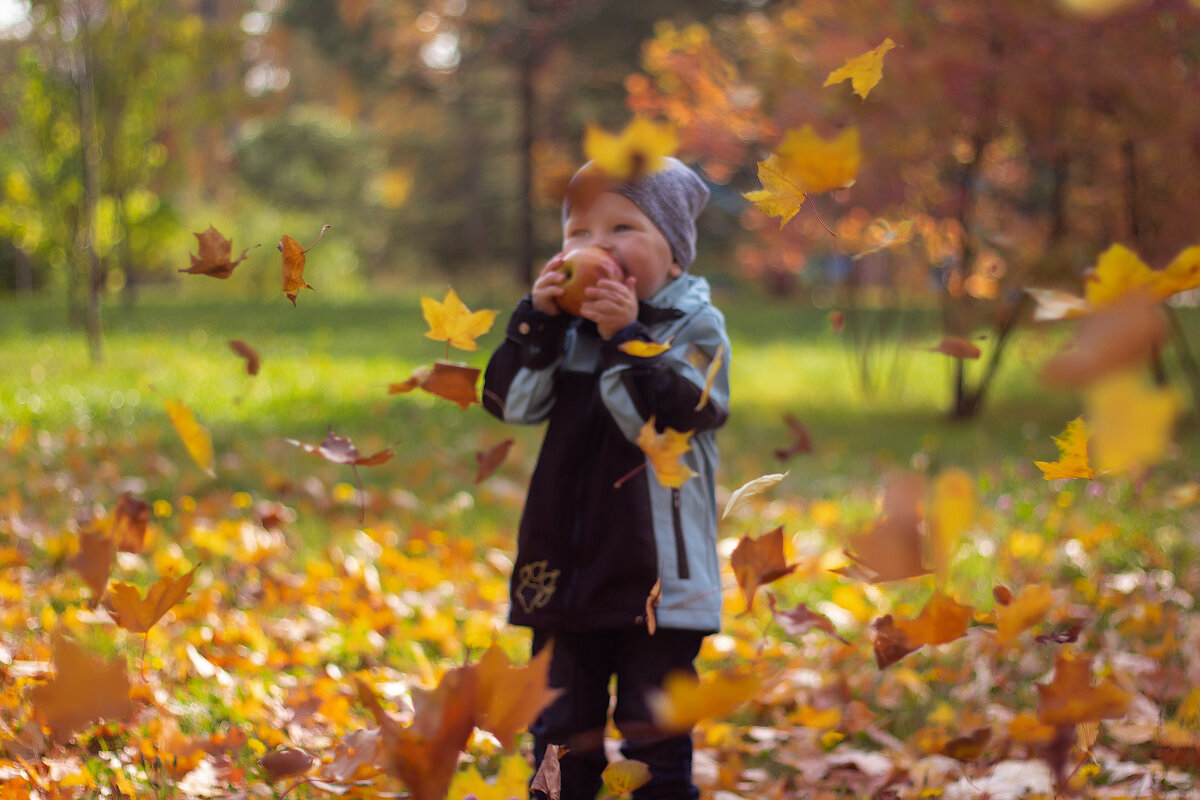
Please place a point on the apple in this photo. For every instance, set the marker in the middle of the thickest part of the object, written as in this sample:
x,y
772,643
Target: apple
x,y
583,267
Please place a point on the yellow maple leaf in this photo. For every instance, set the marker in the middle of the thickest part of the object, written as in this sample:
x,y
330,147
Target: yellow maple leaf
x,y
781,195
1026,608
1118,272
1182,274
863,71
195,436
951,513
134,614
1131,421
642,349
710,376
622,777
451,321
512,780
1072,454
685,699
821,165
663,450
636,151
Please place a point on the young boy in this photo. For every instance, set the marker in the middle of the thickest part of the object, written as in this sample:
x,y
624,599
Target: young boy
x,y
593,541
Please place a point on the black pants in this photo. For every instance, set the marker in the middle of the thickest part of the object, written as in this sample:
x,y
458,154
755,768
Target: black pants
x,y
582,665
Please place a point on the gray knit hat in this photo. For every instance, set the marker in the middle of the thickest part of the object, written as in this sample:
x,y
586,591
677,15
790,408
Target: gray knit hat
x,y
671,198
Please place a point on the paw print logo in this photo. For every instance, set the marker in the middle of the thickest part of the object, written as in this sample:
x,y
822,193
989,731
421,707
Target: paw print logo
x,y
536,586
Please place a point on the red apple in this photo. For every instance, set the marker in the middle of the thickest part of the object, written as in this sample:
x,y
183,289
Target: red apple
x,y
583,267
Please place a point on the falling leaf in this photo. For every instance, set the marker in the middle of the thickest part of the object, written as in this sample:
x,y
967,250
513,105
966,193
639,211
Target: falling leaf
x,y
287,762
134,614
340,450
664,451
1182,274
1053,304
213,255
1131,422
969,747
837,322
1118,273
622,777
453,382
952,512
638,150
801,439
802,619
956,347
94,560
1119,337
685,699
821,166
247,352
1072,698
863,71
130,518
452,322
549,775
881,235
1072,454
510,697
84,689
942,620
890,644
195,436
486,461
749,490
1066,635
293,264
782,194
714,367
652,600
757,562
891,549
640,349
1025,609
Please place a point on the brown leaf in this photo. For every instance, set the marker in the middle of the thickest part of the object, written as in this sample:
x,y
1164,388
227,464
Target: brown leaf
x,y
247,352
509,697
549,774
213,255
340,450
652,600
1111,340
453,382
970,747
956,347
1002,594
293,264
890,643
94,560
84,689
801,439
837,321
357,753
1071,697
759,561
892,549
1066,635
942,620
802,619
134,614
487,461
129,521
286,762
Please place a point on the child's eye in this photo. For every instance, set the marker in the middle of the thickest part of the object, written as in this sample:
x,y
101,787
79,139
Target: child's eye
x,y
574,234
622,227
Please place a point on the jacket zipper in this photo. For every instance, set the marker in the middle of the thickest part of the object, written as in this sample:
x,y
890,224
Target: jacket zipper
x,y
680,545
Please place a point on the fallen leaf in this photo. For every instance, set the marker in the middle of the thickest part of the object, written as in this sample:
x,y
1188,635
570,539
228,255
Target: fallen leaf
x,y
956,347
638,150
749,490
757,562
292,275
641,349
1025,609
622,777
213,255
970,747
1071,697
1066,635
195,436
130,518
84,689
802,619
511,697
247,352
1072,454
287,762
549,775
714,367
487,461
452,322
892,549
94,559
685,699
664,451
863,71
837,322
801,439
453,382
134,614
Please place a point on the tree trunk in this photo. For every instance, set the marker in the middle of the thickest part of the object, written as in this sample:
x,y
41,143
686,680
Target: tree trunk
x,y
524,270
86,246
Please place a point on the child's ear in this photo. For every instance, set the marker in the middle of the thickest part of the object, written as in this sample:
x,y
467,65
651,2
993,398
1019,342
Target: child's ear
x,y
675,271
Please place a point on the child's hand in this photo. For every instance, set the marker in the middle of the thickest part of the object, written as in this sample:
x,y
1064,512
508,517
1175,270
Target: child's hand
x,y
547,286
611,304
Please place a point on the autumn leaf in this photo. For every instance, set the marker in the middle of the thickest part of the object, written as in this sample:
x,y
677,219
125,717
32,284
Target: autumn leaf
x,y
1131,422
94,559
804,165
340,450
664,451
710,375
1118,337
622,777
453,382
1023,610
84,689
195,436
487,461
952,511
452,322
802,619
641,349
1072,697
637,151
942,620
890,644
1072,454
134,614
510,781
652,600
969,747
864,71
685,699
757,562
892,549
287,762
956,347
549,775
801,439
247,352
1053,304
749,490
782,194
213,255
292,275
1118,273
511,697
1182,274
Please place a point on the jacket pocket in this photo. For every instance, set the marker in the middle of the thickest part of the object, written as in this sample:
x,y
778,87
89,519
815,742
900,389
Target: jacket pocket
x,y
680,545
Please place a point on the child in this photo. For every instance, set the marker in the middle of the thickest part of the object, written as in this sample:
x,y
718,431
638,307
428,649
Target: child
x,y
591,545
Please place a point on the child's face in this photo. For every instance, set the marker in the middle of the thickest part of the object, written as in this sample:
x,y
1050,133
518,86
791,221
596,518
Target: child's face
x,y
613,223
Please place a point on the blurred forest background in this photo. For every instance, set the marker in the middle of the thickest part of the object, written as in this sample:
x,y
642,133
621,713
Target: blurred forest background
x,y
1008,144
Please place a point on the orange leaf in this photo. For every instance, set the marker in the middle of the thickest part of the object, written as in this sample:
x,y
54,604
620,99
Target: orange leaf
x,y
292,275
451,321
129,521
94,560
1022,610
247,352
486,461
942,620
510,697
664,451
970,747
214,254
1072,454
757,562
891,550
195,436
685,699
134,614
1072,698
890,643
84,689
863,71
956,347
453,382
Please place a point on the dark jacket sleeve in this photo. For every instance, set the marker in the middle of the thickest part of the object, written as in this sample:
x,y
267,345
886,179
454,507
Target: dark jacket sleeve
x,y
518,381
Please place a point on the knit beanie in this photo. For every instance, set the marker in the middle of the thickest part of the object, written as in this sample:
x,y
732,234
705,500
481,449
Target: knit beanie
x,y
671,198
